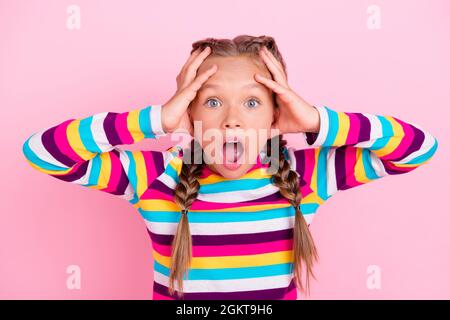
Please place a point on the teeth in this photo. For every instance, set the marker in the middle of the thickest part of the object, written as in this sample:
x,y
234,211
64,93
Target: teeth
x,y
232,139
235,148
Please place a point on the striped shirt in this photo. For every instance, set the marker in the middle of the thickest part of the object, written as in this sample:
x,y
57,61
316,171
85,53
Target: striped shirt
x,y
242,229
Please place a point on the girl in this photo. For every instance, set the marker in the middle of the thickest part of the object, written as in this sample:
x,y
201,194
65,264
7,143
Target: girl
x,y
234,228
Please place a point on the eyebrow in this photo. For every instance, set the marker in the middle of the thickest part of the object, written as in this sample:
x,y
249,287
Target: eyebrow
x,y
247,86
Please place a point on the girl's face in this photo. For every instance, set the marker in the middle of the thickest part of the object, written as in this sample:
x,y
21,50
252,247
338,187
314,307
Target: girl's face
x,y
232,105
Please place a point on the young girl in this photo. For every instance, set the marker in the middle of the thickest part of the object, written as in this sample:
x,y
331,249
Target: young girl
x,y
230,229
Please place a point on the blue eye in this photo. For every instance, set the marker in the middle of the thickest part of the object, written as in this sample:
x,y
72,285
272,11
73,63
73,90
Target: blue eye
x,y
253,106
212,100
251,101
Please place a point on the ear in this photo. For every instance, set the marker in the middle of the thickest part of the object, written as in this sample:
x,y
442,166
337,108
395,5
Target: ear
x,y
276,115
188,111
274,125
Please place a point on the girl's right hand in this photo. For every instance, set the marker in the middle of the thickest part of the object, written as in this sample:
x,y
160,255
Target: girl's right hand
x,y
174,113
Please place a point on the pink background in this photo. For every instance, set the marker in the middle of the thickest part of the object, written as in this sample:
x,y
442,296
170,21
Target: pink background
x,y
127,56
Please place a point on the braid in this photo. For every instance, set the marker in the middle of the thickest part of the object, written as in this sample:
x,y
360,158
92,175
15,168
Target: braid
x,y
186,192
303,244
284,178
241,45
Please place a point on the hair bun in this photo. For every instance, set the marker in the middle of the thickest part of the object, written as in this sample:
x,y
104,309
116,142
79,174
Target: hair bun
x,y
267,41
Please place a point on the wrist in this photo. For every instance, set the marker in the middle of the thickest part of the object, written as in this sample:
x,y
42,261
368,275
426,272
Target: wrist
x,y
163,129
312,120
317,138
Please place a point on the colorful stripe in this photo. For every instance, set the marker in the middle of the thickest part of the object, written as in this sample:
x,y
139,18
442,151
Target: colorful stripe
x,y
161,292
352,149
241,229
84,152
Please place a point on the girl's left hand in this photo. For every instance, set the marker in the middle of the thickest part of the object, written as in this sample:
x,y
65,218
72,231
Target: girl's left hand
x,y
295,115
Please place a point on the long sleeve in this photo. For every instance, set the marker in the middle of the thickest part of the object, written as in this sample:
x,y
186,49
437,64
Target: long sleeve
x,y
353,148
84,152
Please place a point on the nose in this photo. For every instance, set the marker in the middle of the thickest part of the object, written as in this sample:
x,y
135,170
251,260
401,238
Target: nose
x,y
232,119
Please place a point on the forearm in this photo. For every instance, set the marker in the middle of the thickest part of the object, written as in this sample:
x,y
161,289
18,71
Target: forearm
x,y
73,141
400,144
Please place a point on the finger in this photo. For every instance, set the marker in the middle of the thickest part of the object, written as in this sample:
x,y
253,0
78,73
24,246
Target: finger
x,y
191,58
189,71
181,77
275,60
277,74
201,79
275,86
268,57
181,100
195,85
192,68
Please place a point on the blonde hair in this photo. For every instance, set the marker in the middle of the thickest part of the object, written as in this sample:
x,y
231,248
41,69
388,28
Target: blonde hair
x,y
285,179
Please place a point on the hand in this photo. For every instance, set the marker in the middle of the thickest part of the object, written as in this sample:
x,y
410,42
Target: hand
x,y
174,113
295,115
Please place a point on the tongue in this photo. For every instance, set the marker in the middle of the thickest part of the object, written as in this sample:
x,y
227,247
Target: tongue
x,y
230,152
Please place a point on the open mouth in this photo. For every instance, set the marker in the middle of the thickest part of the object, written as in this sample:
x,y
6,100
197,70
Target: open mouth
x,y
232,153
